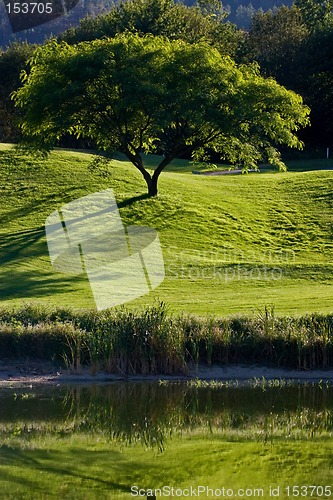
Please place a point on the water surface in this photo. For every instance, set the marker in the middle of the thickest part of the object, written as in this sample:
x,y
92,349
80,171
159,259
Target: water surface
x,y
151,412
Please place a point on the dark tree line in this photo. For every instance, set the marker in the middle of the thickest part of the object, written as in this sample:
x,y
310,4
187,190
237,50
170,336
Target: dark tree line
x,y
292,44
295,46
239,12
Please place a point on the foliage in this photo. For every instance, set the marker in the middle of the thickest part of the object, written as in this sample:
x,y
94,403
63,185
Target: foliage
x,y
159,17
238,13
315,83
202,22
276,42
316,14
196,102
12,62
294,45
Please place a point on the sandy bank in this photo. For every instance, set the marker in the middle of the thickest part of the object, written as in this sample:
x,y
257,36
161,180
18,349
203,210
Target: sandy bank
x,y
33,373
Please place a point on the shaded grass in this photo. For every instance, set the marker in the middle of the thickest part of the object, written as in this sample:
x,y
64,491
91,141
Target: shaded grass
x,y
231,244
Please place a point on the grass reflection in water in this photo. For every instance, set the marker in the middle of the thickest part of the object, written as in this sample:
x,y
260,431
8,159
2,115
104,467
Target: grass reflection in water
x,y
151,413
95,442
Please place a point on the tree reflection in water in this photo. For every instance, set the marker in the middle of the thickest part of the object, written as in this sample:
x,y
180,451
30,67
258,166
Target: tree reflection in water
x,y
151,413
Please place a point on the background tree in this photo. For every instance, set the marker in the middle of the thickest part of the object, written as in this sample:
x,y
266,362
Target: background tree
x,y
244,15
276,41
316,14
296,49
315,83
204,21
148,94
94,8
12,62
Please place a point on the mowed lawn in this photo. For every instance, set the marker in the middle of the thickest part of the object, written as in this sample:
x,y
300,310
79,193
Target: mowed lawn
x,y
88,467
231,244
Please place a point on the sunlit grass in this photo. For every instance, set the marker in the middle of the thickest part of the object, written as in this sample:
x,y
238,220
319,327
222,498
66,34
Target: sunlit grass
x,y
230,243
90,467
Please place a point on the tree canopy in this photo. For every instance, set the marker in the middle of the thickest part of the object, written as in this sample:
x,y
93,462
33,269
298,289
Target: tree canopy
x,y
149,94
276,40
205,21
12,62
316,14
294,46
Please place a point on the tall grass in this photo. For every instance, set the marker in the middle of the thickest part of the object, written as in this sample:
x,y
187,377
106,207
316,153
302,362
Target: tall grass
x,y
151,341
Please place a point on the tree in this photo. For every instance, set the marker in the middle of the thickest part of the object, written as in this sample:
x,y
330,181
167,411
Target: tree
x,y
295,47
244,14
315,83
316,14
276,41
12,62
149,94
204,21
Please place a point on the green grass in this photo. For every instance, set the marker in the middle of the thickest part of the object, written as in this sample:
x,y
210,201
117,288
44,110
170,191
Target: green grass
x,y
231,244
79,466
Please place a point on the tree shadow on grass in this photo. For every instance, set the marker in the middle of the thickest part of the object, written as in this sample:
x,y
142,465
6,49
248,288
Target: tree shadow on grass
x,y
77,467
35,207
36,283
19,248
19,278
39,206
22,244
22,277
129,201
32,242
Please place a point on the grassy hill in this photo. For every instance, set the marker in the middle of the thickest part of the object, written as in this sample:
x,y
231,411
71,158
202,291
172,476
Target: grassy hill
x,y
231,243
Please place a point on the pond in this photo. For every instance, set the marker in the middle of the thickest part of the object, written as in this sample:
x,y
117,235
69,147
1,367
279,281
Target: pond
x,y
175,440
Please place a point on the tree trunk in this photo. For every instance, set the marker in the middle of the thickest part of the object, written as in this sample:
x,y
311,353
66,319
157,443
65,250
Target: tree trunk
x,y
152,186
151,180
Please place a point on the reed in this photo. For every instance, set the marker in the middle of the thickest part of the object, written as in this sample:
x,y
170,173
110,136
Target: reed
x,y
153,341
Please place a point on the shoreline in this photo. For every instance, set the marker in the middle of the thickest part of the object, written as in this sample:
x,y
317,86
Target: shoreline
x,y
43,373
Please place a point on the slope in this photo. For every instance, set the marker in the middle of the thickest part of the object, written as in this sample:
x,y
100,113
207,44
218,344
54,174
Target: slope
x,y
231,244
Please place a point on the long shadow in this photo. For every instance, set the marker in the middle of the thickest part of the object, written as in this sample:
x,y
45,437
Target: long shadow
x,y
130,201
31,235
53,462
105,210
16,250
23,245
36,283
27,232
75,463
34,206
20,244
